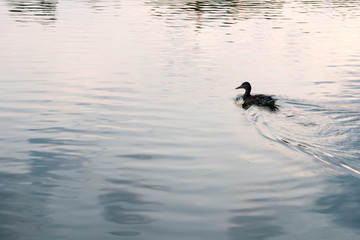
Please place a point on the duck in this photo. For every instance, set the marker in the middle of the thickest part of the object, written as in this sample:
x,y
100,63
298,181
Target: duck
x,y
258,99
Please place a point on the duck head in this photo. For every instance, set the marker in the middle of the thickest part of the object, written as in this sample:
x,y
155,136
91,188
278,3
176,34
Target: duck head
x,y
246,86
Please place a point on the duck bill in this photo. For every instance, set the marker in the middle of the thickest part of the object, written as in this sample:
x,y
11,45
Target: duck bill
x,y
239,87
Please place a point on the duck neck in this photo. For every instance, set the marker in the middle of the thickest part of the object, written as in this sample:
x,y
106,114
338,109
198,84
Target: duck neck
x,y
247,92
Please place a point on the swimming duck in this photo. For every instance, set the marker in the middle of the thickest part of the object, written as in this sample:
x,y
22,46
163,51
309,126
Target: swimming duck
x,y
259,99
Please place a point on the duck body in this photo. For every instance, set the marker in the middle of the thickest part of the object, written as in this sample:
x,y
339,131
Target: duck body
x,y
258,99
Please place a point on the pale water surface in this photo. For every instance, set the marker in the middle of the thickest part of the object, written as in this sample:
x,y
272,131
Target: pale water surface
x,y
118,119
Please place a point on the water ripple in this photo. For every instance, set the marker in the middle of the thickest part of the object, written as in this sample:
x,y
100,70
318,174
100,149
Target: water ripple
x,y
327,134
40,11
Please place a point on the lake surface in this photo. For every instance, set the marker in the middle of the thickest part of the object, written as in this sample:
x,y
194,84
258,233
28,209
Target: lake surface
x,y
118,120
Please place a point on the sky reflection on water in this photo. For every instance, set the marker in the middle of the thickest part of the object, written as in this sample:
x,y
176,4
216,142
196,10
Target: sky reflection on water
x,y
118,120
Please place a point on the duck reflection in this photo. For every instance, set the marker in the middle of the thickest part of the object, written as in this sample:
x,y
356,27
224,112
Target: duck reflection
x,y
41,11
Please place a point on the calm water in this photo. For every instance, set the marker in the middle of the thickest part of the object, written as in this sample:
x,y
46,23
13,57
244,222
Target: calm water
x,y
118,120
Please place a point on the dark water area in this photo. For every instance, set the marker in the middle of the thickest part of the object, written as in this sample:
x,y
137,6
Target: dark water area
x,y
120,120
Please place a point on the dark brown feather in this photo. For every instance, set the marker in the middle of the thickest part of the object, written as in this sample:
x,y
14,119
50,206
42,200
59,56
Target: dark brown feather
x,y
258,99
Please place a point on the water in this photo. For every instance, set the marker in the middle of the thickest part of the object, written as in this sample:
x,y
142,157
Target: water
x,y
118,120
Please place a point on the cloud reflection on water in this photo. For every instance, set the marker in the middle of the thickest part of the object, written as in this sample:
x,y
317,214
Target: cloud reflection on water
x,y
343,203
25,198
250,226
23,205
126,208
124,204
